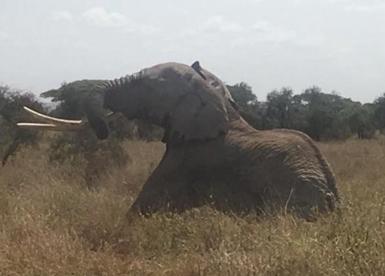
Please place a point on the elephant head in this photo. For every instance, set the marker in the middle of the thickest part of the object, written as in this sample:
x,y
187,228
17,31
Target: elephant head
x,y
187,101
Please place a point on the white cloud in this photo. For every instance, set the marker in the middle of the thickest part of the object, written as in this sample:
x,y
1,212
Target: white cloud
x,y
361,5
98,16
268,32
241,34
62,16
312,40
219,34
147,29
366,7
219,24
339,1
3,35
256,1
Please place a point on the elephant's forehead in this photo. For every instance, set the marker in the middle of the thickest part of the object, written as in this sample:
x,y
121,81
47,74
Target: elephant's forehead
x,y
167,69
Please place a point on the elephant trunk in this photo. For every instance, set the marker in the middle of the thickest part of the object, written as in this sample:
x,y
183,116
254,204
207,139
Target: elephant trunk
x,y
96,118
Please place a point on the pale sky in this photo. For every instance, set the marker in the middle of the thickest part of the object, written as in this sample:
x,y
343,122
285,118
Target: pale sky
x,y
335,44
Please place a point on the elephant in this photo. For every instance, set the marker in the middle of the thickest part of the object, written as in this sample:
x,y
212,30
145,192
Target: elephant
x,y
213,156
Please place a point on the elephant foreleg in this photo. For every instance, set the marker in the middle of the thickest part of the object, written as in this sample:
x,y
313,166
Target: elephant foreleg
x,y
161,190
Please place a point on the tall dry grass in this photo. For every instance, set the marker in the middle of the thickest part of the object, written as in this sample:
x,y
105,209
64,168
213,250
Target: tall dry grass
x,y
50,224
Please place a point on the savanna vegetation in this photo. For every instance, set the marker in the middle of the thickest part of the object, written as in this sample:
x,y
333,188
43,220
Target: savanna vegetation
x,y
63,197
52,224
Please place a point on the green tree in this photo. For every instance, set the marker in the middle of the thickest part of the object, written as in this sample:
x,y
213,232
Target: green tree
x,y
379,112
325,114
279,108
242,94
249,107
361,121
11,111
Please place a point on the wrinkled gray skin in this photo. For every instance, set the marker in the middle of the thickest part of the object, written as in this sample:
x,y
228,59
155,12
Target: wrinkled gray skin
x,y
212,155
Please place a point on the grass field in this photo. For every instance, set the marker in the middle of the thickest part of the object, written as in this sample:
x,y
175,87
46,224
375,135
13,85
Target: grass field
x,y
50,224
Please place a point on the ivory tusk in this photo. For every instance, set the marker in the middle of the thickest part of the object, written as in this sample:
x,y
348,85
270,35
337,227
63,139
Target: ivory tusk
x,y
48,126
35,125
51,123
49,119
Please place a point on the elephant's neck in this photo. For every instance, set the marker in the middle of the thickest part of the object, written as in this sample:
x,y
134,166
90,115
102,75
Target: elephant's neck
x,y
236,121
155,110
241,125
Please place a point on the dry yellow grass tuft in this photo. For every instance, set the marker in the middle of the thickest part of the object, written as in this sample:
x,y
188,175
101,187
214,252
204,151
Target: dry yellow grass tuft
x,y
50,224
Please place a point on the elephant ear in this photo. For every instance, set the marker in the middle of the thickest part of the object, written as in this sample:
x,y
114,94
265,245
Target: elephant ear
x,y
215,82
199,115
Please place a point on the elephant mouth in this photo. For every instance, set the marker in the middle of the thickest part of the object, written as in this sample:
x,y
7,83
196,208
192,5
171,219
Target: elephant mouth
x,y
46,122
